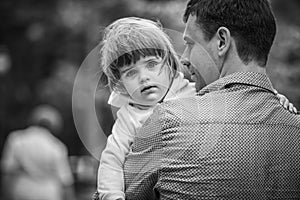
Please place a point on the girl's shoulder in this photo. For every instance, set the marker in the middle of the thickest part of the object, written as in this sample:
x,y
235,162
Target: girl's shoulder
x,y
181,88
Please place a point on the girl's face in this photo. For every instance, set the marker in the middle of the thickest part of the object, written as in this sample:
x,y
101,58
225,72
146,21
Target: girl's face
x,y
146,81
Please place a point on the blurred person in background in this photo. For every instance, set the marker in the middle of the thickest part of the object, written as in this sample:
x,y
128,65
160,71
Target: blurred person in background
x,y
35,163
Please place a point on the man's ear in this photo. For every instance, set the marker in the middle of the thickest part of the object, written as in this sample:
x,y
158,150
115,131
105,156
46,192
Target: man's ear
x,y
224,38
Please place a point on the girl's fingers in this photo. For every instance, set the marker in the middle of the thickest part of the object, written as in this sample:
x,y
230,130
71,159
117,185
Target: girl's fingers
x,y
286,104
291,107
281,98
281,101
295,110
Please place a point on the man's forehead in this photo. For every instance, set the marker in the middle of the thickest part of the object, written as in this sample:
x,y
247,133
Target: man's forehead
x,y
190,27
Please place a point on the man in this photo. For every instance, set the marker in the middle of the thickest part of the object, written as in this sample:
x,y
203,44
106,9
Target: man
x,y
35,163
233,140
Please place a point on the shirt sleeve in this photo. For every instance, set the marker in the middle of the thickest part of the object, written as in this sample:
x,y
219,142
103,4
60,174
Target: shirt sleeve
x,y
141,169
63,167
9,162
110,172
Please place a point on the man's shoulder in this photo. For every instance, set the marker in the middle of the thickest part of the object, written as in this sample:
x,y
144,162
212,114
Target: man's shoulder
x,y
182,109
179,101
285,118
196,103
232,107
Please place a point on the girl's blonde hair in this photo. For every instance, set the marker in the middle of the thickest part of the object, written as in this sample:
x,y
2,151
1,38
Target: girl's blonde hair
x,y
127,40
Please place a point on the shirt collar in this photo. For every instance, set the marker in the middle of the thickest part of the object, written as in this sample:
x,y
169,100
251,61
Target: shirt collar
x,y
244,78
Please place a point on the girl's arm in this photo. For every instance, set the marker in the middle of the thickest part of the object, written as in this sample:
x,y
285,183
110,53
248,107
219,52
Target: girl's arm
x,y
286,103
110,178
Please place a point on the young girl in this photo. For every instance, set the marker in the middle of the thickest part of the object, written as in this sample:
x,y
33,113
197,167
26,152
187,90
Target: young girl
x,y
142,70
141,67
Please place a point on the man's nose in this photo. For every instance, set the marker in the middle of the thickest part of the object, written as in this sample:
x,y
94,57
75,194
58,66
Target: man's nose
x,y
185,59
186,63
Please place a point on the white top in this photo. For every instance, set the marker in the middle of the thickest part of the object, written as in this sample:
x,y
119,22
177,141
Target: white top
x,y
40,162
130,118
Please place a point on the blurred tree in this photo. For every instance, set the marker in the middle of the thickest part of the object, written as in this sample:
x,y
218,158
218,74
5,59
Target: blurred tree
x,y
285,55
287,10
35,41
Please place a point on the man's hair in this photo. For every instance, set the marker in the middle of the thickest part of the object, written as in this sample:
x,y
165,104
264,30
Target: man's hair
x,y
250,22
127,40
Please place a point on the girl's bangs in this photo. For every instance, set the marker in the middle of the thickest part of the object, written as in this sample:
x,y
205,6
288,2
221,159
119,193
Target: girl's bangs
x,y
135,55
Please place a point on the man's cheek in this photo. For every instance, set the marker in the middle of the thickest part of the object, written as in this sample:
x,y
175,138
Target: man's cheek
x,y
200,82
204,64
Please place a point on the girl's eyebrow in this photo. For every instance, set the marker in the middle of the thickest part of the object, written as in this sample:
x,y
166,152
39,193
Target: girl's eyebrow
x,y
157,59
126,68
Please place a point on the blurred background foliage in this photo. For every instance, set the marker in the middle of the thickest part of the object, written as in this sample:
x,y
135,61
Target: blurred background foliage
x,y
43,43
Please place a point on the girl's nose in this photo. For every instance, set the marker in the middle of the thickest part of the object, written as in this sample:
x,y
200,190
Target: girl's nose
x,y
144,77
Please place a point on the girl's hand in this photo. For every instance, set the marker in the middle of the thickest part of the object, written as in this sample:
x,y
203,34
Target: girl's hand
x,y
286,103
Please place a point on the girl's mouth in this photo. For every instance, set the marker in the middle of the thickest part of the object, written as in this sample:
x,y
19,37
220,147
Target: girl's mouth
x,y
147,89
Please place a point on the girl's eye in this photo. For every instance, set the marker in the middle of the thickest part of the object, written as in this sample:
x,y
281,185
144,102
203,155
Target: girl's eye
x,y
151,65
130,73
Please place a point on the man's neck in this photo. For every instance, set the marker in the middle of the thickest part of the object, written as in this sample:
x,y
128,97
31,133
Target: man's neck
x,y
238,66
